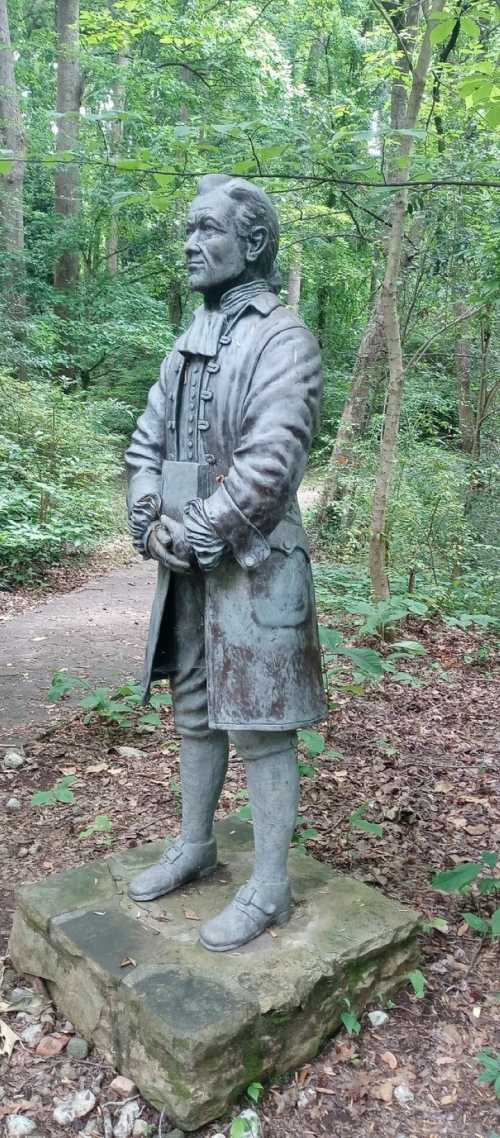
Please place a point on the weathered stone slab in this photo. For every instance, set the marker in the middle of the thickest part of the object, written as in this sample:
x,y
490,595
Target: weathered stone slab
x,y
194,1028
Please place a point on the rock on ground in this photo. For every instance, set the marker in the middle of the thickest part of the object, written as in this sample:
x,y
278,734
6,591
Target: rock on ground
x,y
18,1125
75,1106
77,1048
129,1114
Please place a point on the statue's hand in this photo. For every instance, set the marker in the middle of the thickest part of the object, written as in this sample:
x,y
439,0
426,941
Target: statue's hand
x,y
167,543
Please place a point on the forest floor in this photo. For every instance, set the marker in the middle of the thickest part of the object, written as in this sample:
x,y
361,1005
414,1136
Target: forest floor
x,y
423,758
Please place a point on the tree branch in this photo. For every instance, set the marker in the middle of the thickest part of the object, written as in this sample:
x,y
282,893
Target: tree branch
x,y
444,328
401,44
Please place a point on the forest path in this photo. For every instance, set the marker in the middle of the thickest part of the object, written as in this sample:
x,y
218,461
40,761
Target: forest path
x,y
97,631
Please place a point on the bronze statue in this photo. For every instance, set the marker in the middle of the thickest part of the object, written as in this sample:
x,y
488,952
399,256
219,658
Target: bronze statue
x,y
214,466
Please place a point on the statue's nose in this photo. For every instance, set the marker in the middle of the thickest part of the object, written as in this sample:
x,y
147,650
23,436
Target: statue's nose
x,y
192,243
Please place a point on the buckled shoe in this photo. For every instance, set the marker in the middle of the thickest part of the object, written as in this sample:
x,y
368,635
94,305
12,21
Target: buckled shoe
x,y
180,862
255,907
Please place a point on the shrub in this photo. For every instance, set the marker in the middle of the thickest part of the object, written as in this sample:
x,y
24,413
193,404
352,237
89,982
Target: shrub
x,y
60,485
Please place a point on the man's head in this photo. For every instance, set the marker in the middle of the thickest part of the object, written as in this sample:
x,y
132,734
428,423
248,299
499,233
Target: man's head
x,y
232,235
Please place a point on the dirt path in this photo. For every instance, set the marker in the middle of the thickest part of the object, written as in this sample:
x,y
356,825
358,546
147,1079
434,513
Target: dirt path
x,y
97,631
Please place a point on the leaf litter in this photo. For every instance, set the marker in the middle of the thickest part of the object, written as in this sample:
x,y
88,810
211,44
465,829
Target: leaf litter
x,y
424,761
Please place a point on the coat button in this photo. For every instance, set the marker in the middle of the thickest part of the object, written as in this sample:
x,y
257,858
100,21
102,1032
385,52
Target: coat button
x,y
225,339
210,458
287,546
250,560
213,367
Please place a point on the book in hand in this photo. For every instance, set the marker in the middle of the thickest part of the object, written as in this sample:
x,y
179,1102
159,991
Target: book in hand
x,y
181,482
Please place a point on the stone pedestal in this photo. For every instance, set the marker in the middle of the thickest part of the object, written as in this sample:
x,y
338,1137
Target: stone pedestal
x,y
194,1028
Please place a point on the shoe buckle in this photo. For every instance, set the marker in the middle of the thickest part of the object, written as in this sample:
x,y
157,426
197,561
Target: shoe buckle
x,y
247,897
174,852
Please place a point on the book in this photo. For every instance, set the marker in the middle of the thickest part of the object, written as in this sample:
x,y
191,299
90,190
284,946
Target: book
x,y
183,481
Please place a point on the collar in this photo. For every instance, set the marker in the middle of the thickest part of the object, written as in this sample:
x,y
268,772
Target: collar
x,y
203,335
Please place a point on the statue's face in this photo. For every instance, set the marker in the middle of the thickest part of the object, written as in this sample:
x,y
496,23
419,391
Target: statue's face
x,y
215,253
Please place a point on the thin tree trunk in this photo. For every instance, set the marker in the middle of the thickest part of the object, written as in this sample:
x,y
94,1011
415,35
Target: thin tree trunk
x,y
67,181
294,282
355,413
462,367
366,371
11,184
175,304
399,175
115,142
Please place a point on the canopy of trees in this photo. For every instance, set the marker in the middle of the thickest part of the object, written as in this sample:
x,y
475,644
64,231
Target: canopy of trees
x,y
373,124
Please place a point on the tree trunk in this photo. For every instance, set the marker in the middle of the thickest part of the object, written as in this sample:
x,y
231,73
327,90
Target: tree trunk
x,y
407,113
67,181
355,414
115,142
11,184
175,304
462,367
294,282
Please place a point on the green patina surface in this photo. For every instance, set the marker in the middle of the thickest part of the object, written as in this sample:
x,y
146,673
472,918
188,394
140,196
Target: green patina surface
x,y
193,1028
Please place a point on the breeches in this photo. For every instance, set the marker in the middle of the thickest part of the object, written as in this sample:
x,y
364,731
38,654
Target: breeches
x,y
189,680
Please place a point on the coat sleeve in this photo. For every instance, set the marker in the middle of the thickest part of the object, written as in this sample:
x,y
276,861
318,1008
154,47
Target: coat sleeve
x,y
280,414
143,461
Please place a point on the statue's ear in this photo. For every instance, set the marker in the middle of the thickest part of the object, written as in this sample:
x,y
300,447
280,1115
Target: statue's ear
x,y
256,240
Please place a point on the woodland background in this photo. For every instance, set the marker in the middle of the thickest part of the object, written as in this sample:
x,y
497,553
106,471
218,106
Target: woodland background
x,y
373,126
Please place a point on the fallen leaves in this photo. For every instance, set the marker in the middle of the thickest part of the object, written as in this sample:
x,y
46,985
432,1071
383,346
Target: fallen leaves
x,y
190,915
383,1091
389,1059
128,962
8,1039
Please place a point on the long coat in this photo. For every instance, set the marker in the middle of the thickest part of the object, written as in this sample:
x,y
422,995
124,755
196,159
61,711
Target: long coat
x,y
260,407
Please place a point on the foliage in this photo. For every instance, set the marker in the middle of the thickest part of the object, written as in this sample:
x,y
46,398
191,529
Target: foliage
x,y
304,832
116,707
490,1075
58,478
368,665
297,96
465,874
484,925
254,1091
102,824
60,793
350,1019
357,821
417,981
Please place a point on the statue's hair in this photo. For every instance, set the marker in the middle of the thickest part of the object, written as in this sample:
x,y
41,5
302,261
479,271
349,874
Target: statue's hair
x,y
255,208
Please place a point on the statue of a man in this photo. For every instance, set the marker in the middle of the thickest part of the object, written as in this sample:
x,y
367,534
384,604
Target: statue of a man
x,y
214,466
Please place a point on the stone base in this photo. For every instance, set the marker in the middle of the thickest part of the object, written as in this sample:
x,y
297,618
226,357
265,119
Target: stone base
x,y
194,1028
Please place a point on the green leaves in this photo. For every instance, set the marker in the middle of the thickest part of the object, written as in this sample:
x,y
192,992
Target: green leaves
x,y
490,1075
457,879
60,793
442,29
102,824
62,683
313,741
350,1019
357,821
417,981
254,1091
117,706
